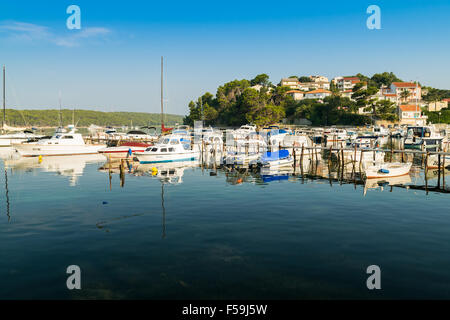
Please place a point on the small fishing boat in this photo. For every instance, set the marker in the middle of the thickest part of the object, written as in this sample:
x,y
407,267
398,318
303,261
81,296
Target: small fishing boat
x,y
60,144
169,148
387,169
276,159
125,150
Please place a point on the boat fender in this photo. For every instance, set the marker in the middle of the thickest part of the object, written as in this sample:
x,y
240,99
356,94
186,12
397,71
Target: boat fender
x,y
154,171
130,152
40,159
383,171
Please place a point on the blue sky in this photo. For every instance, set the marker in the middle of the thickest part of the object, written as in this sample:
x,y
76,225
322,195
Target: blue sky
x,y
113,62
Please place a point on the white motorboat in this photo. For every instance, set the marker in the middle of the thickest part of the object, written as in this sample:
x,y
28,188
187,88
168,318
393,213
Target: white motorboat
x,y
422,137
275,137
276,159
244,131
139,135
169,148
7,140
387,169
60,144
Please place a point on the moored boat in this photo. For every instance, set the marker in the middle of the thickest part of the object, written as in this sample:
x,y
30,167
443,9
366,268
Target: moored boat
x,y
125,150
387,169
276,159
60,144
170,148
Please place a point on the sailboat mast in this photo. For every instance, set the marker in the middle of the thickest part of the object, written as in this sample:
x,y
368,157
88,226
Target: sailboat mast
x,y
162,95
4,99
60,114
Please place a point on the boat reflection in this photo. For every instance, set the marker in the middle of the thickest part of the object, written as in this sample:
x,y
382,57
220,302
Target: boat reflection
x,y
68,166
170,172
383,182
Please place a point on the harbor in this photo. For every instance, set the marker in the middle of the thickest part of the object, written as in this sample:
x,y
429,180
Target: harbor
x,y
199,230
195,212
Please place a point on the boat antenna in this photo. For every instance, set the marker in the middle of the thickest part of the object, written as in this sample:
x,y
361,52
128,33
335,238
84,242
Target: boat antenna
x,y
4,99
162,95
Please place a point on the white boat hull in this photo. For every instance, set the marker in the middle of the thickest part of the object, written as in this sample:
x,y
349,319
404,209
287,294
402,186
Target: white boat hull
x,y
8,142
279,163
34,150
120,152
396,169
149,157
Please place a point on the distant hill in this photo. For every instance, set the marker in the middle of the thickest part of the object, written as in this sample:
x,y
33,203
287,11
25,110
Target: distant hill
x,y
84,118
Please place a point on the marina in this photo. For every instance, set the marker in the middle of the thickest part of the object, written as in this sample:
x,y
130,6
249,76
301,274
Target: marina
x,y
272,231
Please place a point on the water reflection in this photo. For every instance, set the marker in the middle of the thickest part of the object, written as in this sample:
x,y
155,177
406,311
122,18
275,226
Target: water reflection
x,y
67,166
7,195
382,183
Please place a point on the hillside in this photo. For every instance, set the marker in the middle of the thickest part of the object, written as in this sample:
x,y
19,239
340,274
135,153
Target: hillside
x,y
83,118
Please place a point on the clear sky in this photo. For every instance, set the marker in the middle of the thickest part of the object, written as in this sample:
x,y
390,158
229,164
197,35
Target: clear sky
x,y
113,62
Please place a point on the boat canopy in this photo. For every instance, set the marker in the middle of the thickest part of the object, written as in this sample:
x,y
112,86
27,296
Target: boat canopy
x,y
275,155
136,132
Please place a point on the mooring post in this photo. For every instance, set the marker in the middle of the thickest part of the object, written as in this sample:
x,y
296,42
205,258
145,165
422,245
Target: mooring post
x,y
439,170
122,173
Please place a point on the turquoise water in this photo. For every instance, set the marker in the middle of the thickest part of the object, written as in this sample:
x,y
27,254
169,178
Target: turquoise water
x,y
216,237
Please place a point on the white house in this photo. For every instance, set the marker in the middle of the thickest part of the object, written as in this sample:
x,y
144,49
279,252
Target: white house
x,y
292,83
296,94
319,79
410,114
317,94
345,83
414,90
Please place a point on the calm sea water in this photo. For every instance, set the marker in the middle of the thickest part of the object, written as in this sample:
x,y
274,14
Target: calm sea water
x,y
215,237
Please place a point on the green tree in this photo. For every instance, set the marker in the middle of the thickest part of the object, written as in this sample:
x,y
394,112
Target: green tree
x,y
385,78
304,79
261,79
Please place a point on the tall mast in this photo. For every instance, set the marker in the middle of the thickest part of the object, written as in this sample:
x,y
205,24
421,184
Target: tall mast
x,y
60,114
162,94
4,99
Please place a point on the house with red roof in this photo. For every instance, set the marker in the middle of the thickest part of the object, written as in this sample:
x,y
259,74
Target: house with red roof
x,y
413,88
318,94
346,83
296,94
411,114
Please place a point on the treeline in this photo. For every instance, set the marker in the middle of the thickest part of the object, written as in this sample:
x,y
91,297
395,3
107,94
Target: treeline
x,y
236,103
84,118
